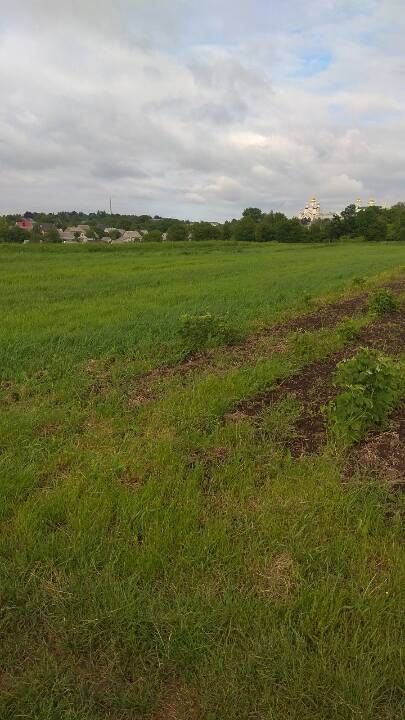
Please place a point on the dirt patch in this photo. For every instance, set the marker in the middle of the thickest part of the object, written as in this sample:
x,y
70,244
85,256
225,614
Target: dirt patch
x,y
48,430
382,454
177,702
326,315
395,285
313,387
277,578
206,459
100,373
267,342
128,478
386,334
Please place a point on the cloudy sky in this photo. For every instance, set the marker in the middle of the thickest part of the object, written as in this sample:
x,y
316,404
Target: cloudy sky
x,y
198,109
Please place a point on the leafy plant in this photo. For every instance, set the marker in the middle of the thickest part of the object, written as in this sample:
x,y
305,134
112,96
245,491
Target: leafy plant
x,y
199,331
371,387
383,303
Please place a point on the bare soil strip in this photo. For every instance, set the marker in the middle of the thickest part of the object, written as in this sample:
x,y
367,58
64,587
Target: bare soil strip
x,y
268,342
313,387
324,316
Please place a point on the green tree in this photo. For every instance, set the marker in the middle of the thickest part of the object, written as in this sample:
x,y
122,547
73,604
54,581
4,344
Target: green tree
x,y
52,235
14,234
336,228
154,236
253,213
205,231
177,232
291,231
227,230
372,224
244,230
349,218
399,229
319,231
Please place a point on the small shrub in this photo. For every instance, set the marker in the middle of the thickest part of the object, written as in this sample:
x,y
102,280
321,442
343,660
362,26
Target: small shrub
x,y
371,387
383,303
200,331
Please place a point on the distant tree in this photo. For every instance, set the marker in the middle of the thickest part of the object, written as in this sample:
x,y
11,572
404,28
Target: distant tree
x,y
336,228
253,213
399,230
114,234
291,231
349,220
35,235
29,215
319,231
376,229
244,230
263,233
226,230
177,232
154,236
205,231
52,235
13,234
4,230
91,234
372,224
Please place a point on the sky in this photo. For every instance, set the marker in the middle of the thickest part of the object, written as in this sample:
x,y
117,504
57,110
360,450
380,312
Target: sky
x,y
197,110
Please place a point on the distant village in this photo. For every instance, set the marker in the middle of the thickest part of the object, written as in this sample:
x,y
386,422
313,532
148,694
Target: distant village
x,y
84,233
361,221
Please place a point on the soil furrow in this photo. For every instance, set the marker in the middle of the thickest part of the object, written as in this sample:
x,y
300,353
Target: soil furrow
x,y
313,387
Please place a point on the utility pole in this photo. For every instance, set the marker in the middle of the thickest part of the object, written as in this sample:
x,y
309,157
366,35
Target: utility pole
x,y
110,207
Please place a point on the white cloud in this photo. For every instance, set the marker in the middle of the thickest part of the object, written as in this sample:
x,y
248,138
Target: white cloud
x,y
199,111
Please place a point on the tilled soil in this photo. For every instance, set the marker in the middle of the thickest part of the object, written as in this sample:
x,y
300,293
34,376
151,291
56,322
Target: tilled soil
x,y
269,341
325,316
313,387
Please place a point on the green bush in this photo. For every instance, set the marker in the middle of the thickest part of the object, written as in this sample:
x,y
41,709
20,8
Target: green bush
x,y
200,331
383,303
371,387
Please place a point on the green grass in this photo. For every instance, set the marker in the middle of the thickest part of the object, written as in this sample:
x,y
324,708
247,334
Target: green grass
x,y
155,561
81,302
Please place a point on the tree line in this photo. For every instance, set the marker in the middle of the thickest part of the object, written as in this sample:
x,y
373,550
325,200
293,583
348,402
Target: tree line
x,y
374,224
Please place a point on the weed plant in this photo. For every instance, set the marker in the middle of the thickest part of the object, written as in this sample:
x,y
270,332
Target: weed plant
x,y
371,386
383,303
200,331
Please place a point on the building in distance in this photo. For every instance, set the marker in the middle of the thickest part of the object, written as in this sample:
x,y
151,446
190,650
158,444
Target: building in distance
x,y
312,212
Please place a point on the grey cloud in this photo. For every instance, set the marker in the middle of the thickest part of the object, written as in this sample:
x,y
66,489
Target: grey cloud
x,y
118,99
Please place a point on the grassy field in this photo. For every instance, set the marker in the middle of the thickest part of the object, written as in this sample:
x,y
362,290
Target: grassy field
x,y
164,551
